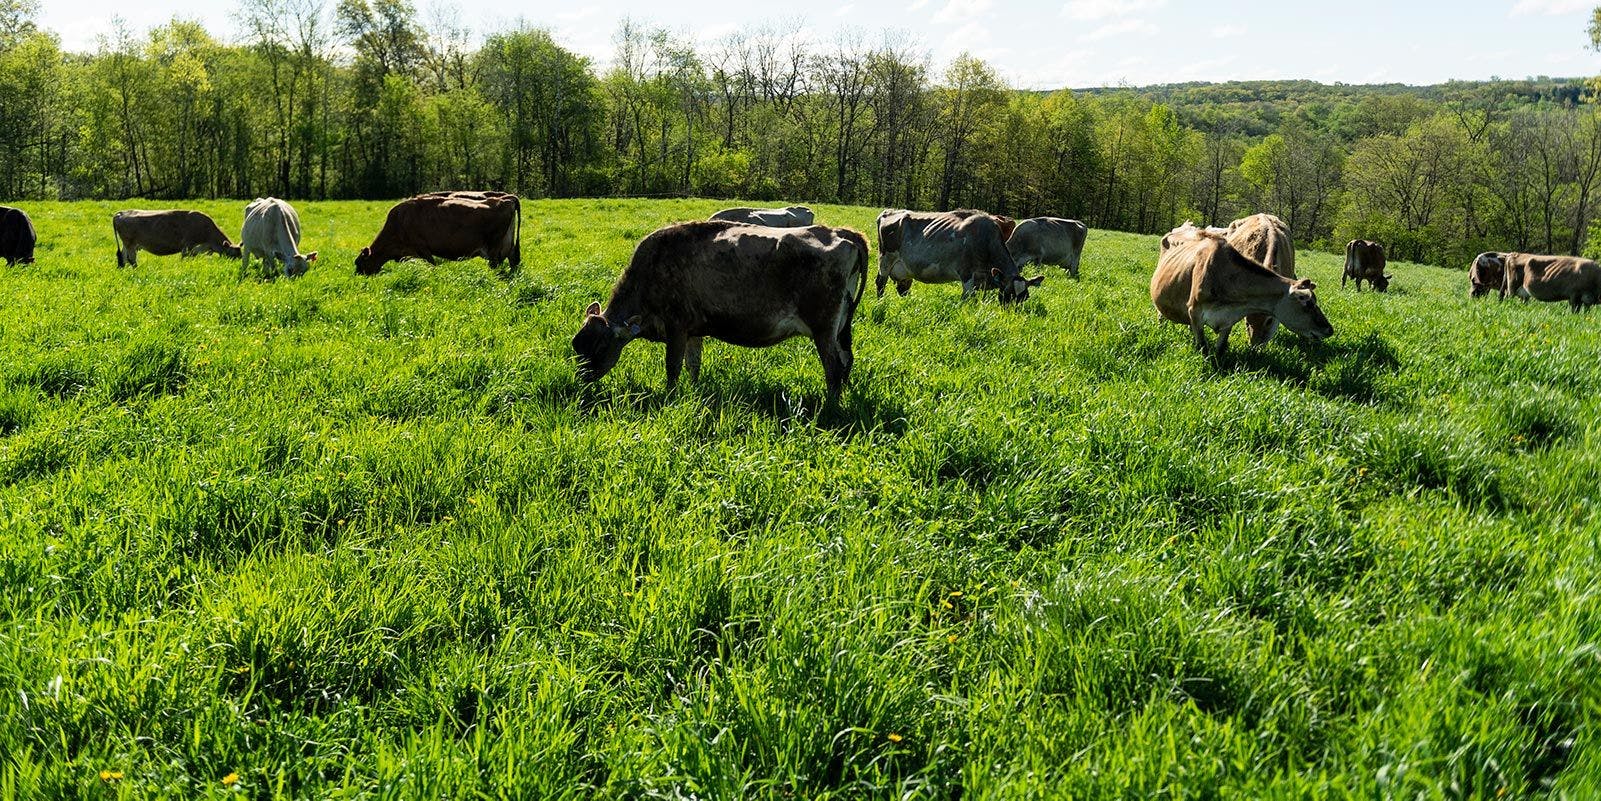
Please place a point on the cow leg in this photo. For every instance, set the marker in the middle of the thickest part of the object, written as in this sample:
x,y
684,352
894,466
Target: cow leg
x,y
1199,331
122,261
834,366
244,263
883,278
1223,341
692,357
677,343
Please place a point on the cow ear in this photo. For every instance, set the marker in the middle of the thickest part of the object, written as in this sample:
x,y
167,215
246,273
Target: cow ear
x,y
593,310
995,272
312,256
1036,280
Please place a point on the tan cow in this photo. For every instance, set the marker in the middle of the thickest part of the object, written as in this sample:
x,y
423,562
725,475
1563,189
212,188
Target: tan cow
x,y
1552,278
448,225
1265,239
1364,261
1048,240
1203,282
1486,274
163,233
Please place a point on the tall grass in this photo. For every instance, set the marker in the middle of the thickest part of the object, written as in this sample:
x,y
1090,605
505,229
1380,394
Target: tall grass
x,y
360,537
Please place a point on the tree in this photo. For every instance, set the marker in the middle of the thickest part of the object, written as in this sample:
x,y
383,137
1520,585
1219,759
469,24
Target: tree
x,y
972,92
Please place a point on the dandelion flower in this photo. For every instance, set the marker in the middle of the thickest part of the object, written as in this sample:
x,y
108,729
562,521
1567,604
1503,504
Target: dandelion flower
x,y
230,780
895,738
110,775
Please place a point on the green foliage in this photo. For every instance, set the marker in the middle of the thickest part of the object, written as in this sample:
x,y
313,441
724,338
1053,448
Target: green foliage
x,y
371,537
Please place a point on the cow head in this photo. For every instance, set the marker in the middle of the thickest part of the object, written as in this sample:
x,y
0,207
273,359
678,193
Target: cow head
x,y
367,263
298,264
1299,311
600,341
1487,273
230,250
1381,283
1014,289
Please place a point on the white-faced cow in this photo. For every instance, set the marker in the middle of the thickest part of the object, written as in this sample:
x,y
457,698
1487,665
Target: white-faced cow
x,y
1364,261
163,233
941,247
1203,282
790,217
1486,274
745,285
1552,279
451,226
272,233
1264,239
17,237
1048,240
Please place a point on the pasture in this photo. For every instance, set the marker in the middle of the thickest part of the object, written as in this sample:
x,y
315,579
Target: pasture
x,y
350,537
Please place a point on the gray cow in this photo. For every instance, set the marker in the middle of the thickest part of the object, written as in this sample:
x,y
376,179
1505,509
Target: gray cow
x,y
272,233
790,217
943,247
1049,240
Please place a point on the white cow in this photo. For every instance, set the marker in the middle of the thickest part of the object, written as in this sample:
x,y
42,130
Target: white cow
x,y
272,232
790,217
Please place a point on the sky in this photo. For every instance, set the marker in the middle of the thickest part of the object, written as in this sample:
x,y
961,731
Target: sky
x,y
1048,44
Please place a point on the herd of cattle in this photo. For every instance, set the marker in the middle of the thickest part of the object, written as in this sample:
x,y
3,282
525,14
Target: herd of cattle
x,y
756,277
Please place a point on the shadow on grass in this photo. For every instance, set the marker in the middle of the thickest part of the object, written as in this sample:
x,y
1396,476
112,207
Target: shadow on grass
x,y
1349,369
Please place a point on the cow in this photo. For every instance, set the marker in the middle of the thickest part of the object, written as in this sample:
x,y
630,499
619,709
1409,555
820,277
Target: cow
x,y
941,247
272,233
448,225
1486,274
1552,278
1189,231
163,233
746,285
1204,282
1265,239
1048,240
791,217
17,237
1364,261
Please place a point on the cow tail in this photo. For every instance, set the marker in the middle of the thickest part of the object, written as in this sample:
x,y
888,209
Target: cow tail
x,y
516,255
861,270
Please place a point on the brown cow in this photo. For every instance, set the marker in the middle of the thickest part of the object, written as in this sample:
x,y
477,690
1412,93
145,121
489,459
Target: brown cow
x,y
743,284
1486,274
1203,282
1187,232
1552,278
1364,261
163,233
1265,239
448,225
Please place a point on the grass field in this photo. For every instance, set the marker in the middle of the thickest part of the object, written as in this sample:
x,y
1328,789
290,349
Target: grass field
x,y
345,537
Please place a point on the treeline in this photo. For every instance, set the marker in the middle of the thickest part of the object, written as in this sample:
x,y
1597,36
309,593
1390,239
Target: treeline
x,y
374,99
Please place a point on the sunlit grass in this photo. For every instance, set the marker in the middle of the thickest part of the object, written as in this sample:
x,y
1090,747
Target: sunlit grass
x,y
371,537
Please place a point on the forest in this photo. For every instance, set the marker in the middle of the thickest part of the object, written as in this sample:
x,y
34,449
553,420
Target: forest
x,y
371,99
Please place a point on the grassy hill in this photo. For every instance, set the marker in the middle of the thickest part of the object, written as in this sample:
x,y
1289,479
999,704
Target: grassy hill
x,y
370,537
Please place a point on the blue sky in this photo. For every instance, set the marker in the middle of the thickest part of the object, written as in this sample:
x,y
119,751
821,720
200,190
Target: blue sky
x,y
1054,43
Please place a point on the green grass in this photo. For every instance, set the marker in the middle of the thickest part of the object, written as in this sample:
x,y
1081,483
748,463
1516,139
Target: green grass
x,y
351,537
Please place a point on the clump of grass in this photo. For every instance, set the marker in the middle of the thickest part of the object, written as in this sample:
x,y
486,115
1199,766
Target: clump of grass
x,y
149,368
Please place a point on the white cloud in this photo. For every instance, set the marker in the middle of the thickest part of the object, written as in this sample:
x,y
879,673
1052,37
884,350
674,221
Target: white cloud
x,y
917,5
1092,10
846,10
958,10
1121,28
1229,31
1550,7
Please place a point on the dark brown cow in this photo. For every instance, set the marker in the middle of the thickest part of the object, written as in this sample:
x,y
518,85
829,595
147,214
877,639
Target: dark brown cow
x,y
1486,275
1364,261
1201,281
17,237
745,285
448,225
1551,279
163,233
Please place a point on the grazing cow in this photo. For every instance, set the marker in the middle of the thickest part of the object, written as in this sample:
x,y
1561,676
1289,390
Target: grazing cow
x,y
1552,278
1048,240
1189,231
745,285
791,217
1007,224
941,247
17,237
272,232
163,233
448,225
1265,239
1203,282
1364,261
1486,275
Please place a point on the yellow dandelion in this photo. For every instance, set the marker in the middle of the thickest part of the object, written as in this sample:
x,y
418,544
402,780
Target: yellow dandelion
x,y
956,594
110,775
230,780
951,638
472,500
895,738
